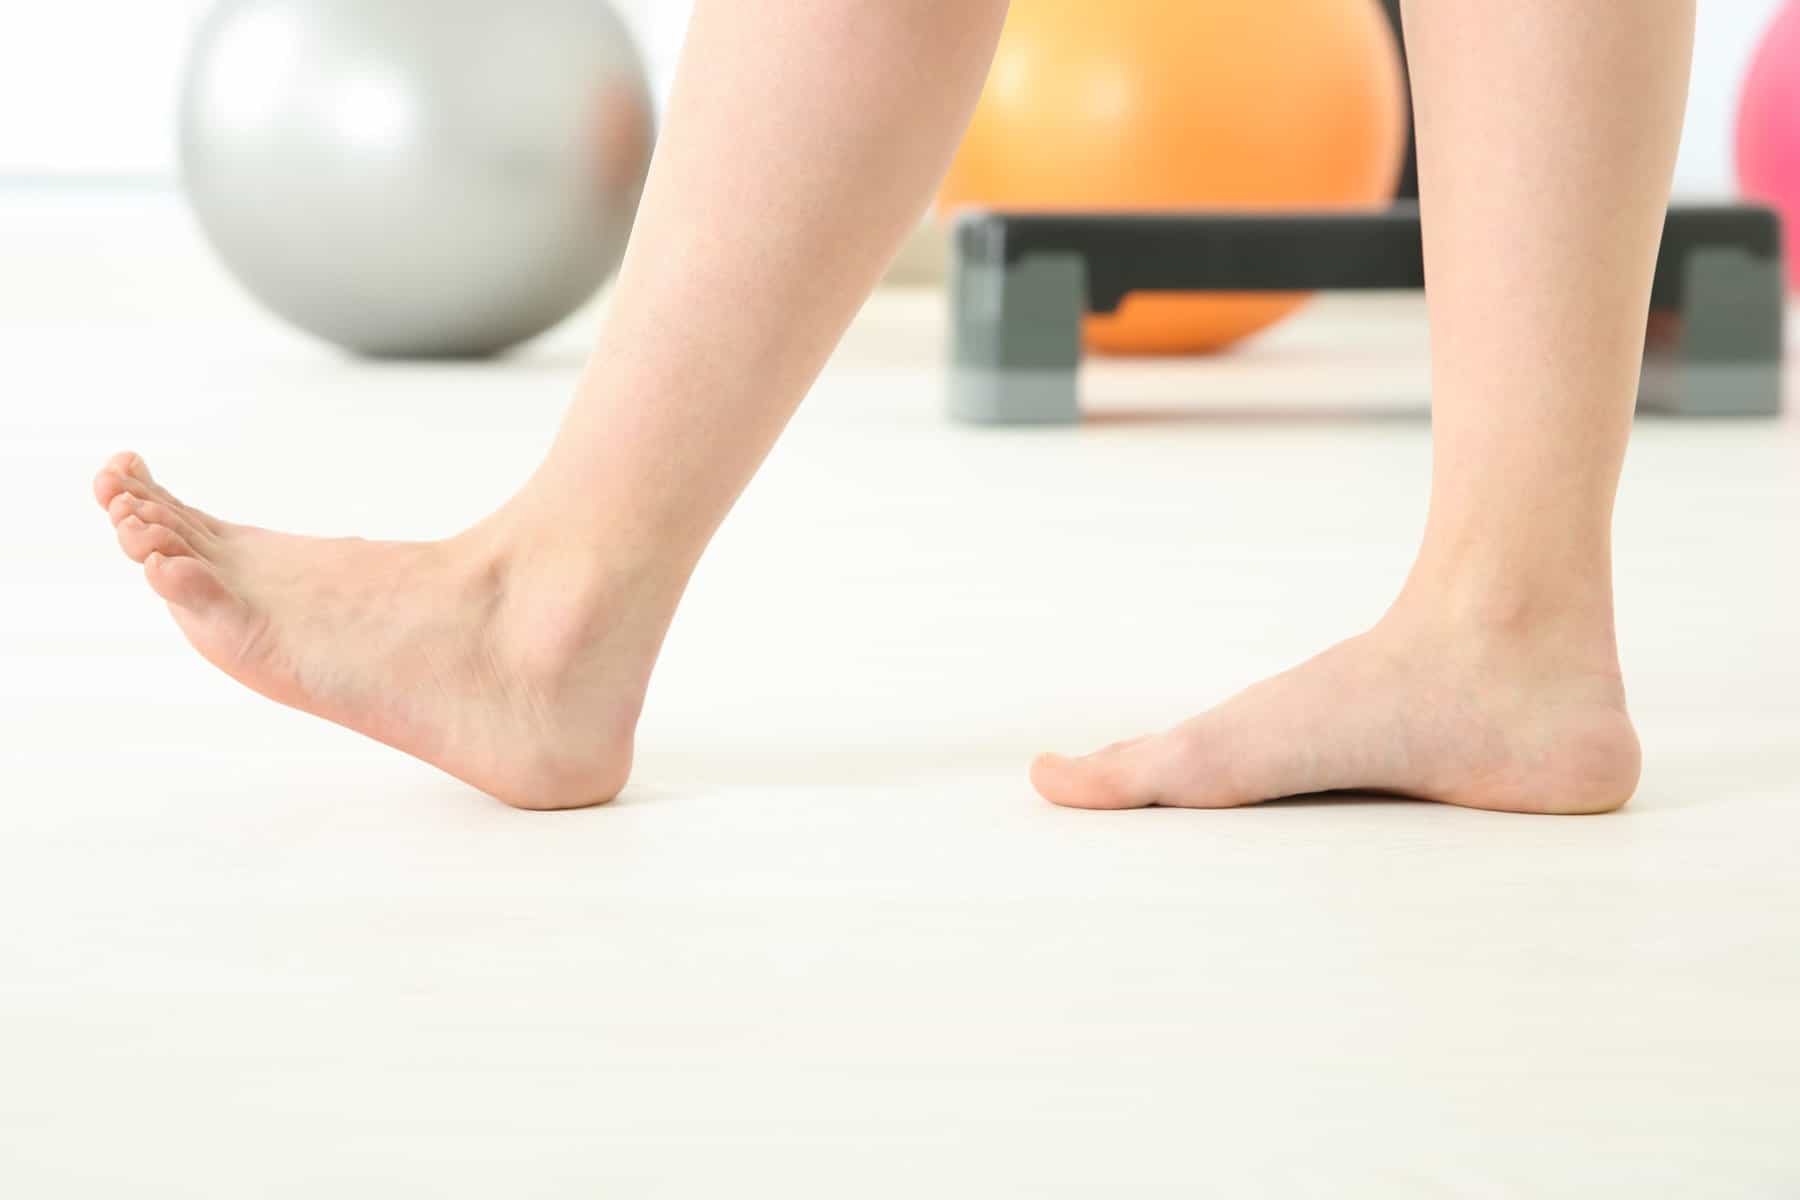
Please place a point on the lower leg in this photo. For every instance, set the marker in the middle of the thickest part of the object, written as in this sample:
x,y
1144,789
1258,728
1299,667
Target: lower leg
x,y
1546,178
1547,133
802,140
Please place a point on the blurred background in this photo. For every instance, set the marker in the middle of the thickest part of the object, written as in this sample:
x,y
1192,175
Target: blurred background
x,y
838,944
88,87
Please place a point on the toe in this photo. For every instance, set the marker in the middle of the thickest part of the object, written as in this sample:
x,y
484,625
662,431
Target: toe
x,y
181,520
109,485
139,540
112,484
1112,778
1179,768
123,505
129,462
187,582
117,474
151,490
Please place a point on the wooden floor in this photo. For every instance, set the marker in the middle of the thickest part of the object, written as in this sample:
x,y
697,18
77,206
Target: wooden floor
x,y
829,944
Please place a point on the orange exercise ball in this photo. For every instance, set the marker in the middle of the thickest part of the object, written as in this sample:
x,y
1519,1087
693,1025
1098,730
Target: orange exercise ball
x,y
1185,104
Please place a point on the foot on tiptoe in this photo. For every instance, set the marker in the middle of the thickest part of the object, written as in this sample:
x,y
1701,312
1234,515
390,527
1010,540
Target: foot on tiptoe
x,y
499,656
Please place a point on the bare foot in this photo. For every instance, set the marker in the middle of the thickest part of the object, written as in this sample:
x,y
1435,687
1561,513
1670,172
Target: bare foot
x,y
512,666
1519,722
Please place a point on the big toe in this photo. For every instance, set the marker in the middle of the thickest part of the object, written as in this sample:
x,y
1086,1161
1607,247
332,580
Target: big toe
x,y
1119,776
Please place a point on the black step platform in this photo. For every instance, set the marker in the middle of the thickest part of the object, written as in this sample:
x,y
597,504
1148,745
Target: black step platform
x,y
1021,283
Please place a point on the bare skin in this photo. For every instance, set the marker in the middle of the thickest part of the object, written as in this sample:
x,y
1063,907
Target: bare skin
x,y
1547,138
1485,718
498,668
515,655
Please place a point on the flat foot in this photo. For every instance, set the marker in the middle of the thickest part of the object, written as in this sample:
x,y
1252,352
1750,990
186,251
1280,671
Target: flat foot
x,y
1481,722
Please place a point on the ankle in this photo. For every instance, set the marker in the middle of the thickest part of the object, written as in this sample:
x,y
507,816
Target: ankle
x,y
1504,613
589,564
1566,626
1514,586
558,624
558,612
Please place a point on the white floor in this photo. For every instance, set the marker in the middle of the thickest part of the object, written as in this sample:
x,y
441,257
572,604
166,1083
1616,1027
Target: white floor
x,y
829,944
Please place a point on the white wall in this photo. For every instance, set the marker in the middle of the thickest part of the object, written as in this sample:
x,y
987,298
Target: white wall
x,y
87,86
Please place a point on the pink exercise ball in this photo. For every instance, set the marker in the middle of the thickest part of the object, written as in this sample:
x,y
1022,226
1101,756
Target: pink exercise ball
x,y
1768,130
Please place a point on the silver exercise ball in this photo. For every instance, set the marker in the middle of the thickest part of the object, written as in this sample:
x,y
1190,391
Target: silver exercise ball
x,y
418,178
